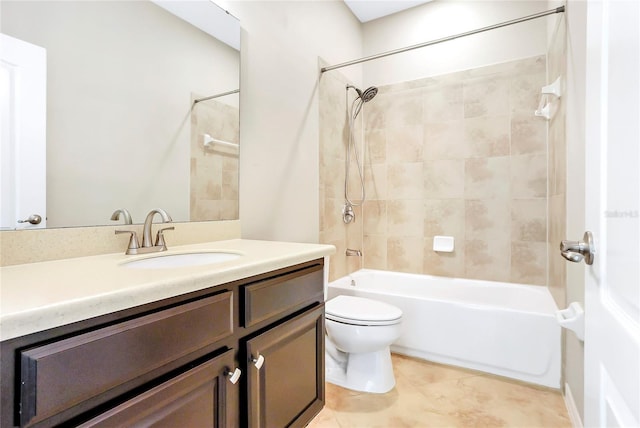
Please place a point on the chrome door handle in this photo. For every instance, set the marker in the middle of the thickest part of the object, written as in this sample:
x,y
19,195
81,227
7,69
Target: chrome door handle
x,y
576,251
33,219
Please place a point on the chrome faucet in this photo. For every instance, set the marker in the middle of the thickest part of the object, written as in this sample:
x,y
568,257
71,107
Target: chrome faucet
x,y
126,216
147,244
146,231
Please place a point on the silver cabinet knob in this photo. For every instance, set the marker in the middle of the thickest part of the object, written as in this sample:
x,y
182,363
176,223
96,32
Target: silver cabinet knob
x,y
234,376
33,219
576,251
258,362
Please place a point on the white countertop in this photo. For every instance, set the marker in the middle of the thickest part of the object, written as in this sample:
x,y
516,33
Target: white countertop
x,y
39,296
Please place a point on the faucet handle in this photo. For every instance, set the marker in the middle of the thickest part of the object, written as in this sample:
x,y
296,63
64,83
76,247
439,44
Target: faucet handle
x,y
133,241
160,237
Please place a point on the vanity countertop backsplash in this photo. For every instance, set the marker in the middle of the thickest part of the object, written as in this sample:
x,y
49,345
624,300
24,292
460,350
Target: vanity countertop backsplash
x,y
39,296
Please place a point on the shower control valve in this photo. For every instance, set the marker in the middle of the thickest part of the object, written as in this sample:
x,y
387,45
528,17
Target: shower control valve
x,y
347,213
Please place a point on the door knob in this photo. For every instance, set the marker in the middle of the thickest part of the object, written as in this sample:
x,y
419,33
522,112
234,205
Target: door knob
x,y
33,219
576,251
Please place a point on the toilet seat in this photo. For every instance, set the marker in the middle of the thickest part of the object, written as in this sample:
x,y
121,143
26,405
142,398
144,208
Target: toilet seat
x,y
361,311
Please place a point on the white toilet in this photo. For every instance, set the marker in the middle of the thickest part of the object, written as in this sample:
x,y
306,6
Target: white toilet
x,y
359,332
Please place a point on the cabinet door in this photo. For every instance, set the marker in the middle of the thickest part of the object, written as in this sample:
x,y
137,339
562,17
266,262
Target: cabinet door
x,y
288,388
203,396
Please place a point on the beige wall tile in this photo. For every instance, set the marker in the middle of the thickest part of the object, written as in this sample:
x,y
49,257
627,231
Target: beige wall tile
x,y
529,220
375,252
557,232
528,176
375,113
444,264
528,262
332,216
332,140
375,181
375,217
443,102
375,146
528,135
444,179
486,136
405,180
557,275
404,254
487,219
486,96
488,260
333,177
558,146
524,93
404,144
486,178
405,218
444,217
444,140
404,109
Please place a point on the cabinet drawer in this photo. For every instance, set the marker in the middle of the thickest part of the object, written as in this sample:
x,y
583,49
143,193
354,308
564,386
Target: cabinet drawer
x,y
61,374
284,294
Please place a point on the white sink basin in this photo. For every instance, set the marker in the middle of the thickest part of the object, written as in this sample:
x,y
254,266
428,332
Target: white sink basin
x,y
169,260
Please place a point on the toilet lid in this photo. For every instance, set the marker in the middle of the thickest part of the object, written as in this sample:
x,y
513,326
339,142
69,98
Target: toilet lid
x,y
361,311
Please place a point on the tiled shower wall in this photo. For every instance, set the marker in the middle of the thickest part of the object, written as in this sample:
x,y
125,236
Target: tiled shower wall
x,y
557,169
214,170
461,155
334,134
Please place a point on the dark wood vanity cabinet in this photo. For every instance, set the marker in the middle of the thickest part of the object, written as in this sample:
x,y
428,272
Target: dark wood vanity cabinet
x,y
186,361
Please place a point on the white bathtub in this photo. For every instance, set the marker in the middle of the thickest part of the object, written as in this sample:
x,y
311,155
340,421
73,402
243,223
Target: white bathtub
x,y
495,327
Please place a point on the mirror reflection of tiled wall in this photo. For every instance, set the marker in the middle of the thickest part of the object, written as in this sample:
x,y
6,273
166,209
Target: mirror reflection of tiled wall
x,y
214,169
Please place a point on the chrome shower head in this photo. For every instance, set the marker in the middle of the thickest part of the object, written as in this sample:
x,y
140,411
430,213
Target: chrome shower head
x,y
366,95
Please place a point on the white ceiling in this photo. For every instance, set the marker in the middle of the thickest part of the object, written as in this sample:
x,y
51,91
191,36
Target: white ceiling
x,y
367,10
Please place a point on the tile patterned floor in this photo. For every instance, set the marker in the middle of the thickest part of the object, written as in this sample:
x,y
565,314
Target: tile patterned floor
x,y
434,395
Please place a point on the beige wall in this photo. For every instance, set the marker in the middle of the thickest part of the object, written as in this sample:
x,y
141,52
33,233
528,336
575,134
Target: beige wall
x,y
438,19
279,157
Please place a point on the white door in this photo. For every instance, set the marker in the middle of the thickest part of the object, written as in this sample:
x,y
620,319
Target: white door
x,y
23,74
612,283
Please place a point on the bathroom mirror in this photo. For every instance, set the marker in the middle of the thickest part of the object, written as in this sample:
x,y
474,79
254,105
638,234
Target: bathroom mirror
x,y
122,128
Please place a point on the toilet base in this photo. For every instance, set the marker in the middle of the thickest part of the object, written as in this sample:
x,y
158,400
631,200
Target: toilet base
x,y
367,372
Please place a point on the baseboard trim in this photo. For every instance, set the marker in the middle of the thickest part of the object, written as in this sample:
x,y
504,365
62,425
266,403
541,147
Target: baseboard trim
x,y
574,414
